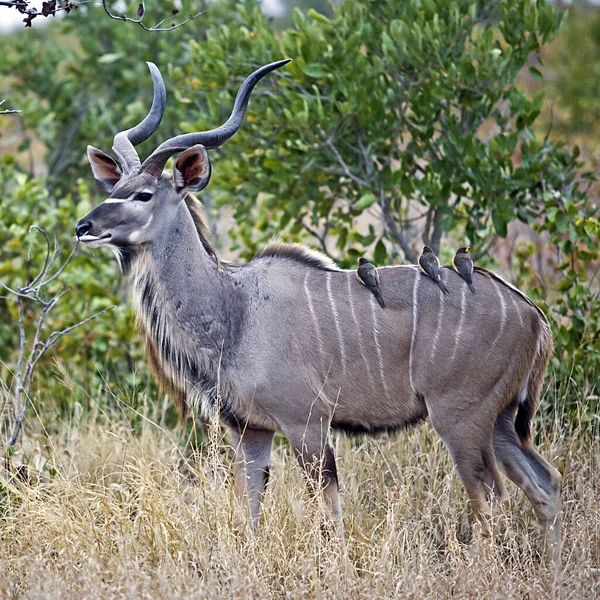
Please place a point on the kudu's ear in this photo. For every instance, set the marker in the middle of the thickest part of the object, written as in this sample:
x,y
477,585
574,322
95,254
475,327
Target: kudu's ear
x,y
106,170
192,170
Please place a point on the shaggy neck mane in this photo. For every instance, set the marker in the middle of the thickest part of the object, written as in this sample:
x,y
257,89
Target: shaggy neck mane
x,y
188,316
297,253
292,252
204,233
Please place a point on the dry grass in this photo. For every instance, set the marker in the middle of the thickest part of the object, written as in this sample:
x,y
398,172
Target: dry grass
x,y
141,516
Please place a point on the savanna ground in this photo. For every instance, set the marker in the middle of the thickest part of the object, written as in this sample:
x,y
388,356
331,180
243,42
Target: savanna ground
x,y
113,505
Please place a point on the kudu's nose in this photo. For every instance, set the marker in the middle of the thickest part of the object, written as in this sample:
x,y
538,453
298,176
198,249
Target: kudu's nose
x,y
82,228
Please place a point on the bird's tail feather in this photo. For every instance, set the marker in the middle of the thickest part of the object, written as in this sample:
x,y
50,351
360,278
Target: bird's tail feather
x,y
442,287
471,287
380,300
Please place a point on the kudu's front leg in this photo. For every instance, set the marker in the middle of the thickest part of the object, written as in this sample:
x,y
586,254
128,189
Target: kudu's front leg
x,y
252,449
315,455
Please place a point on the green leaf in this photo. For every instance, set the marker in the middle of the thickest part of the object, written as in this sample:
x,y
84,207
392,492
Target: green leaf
x,y
500,224
535,73
317,16
315,71
106,59
365,201
380,255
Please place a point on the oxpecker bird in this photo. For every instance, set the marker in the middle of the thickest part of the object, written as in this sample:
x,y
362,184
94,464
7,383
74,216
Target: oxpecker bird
x,y
430,265
367,274
463,265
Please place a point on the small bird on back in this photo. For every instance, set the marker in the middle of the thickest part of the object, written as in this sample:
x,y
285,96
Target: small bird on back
x,y
367,274
430,265
463,265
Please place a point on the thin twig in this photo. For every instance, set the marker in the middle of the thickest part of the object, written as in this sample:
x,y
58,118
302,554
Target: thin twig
x,y
7,111
345,170
394,230
63,267
486,249
56,335
44,270
142,12
52,7
29,359
322,238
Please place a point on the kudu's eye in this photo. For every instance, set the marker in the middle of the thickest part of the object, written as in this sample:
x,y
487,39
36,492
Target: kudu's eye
x,y
143,196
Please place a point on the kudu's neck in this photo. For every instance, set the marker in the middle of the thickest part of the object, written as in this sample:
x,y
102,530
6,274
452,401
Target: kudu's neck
x,y
180,294
179,261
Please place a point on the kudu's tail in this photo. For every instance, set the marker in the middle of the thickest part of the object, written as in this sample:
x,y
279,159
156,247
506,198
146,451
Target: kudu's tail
x,y
530,394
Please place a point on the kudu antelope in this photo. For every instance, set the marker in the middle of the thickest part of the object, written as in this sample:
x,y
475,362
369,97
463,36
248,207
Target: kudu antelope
x,y
279,340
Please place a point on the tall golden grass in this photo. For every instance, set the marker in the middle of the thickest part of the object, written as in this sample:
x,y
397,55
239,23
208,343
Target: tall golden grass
x,y
103,512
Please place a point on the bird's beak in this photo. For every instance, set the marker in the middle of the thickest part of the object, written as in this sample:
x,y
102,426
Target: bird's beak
x,y
468,249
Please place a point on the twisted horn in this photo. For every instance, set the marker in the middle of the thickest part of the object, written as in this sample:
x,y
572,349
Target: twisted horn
x,y
155,163
124,142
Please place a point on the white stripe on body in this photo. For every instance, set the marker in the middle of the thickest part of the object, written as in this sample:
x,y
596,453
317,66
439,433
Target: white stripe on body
x,y
461,321
337,325
374,307
414,329
357,327
315,321
413,267
512,297
502,318
438,329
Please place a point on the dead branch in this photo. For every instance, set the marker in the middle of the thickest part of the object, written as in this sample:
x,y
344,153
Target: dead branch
x,y
7,111
141,11
344,167
51,7
394,229
30,353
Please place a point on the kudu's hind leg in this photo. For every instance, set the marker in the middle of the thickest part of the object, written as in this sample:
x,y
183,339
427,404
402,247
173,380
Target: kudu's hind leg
x,y
252,449
469,442
540,481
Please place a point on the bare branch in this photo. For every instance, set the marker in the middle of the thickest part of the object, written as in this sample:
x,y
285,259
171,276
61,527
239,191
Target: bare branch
x,y
53,338
394,229
44,270
63,267
436,236
31,353
483,251
56,335
8,111
51,7
345,170
321,237
142,11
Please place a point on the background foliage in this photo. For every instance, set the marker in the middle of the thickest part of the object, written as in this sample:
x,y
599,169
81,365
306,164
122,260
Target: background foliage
x,y
396,124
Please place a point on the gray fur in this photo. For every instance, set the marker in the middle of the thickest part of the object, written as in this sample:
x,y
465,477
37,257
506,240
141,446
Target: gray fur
x,y
290,343
250,331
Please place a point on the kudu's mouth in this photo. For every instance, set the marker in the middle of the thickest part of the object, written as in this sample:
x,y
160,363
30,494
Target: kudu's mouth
x,y
96,240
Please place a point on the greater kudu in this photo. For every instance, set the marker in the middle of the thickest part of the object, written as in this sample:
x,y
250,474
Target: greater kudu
x,y
291,343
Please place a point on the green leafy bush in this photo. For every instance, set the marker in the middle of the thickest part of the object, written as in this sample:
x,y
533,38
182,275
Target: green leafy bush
x,y
93,283
397,123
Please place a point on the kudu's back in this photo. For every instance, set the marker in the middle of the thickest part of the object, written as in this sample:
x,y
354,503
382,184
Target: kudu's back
x,y
325,340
